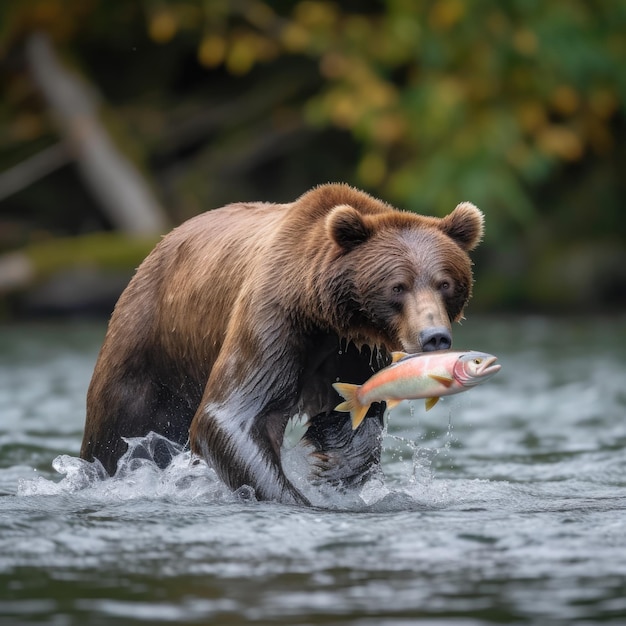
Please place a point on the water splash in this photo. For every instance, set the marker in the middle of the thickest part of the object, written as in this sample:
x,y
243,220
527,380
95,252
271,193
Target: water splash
x,y
140,475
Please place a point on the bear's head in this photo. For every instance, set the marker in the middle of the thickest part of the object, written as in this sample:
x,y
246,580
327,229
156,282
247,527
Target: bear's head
x,y
402,278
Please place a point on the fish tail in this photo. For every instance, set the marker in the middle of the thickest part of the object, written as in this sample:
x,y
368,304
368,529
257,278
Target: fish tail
x,y
352,405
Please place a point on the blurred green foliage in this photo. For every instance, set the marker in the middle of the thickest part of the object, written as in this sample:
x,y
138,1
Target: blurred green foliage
x,y
517,106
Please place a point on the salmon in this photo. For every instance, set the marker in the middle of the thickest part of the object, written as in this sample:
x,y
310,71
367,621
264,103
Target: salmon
x,y
427,375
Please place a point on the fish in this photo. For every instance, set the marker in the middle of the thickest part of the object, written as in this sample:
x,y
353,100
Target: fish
x,y
427,375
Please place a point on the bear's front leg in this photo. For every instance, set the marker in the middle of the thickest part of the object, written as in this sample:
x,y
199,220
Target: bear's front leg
x,y
343,456
244,449
250,395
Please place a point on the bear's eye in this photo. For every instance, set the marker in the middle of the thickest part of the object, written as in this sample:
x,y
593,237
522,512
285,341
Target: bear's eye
x,y
398,289
444,285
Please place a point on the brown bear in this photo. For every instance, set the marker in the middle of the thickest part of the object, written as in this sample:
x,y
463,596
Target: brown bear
x,y
244,316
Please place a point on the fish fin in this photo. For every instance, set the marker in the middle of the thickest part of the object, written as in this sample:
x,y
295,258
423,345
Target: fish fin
x,y
392,403
398,356
352,405
358,415
430,403
446,381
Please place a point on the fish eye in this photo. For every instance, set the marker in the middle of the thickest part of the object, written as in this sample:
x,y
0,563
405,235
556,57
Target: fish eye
x,y
478,361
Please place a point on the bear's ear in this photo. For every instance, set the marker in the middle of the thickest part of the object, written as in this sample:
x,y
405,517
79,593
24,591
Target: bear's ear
x,y
347,227
464,225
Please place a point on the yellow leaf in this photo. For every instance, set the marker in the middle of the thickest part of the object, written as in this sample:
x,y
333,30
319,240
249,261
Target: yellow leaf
x,y
162,26
241,56
525,42
334,65
372,169
560,141
315,14
294,37
343,109
445,14
565,100
389,128
260,14
212,51
532,116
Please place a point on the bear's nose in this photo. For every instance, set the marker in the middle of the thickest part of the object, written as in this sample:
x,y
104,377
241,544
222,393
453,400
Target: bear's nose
x,y
435,338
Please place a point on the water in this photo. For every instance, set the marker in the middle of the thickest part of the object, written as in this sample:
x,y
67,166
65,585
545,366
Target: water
x,y
506,504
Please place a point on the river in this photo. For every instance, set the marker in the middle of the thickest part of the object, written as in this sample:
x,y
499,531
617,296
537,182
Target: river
x,y
505,504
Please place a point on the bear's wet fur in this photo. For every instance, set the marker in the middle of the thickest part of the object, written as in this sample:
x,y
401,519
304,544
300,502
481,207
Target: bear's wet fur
x,y
244,316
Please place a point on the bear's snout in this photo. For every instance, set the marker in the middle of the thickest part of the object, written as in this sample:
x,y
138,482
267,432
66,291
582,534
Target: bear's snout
x,y
435,338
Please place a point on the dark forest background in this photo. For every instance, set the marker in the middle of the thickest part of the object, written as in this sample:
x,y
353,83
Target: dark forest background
x,y
121,119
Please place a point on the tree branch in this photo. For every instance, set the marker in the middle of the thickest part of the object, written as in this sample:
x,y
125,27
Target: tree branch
x,y
122,192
